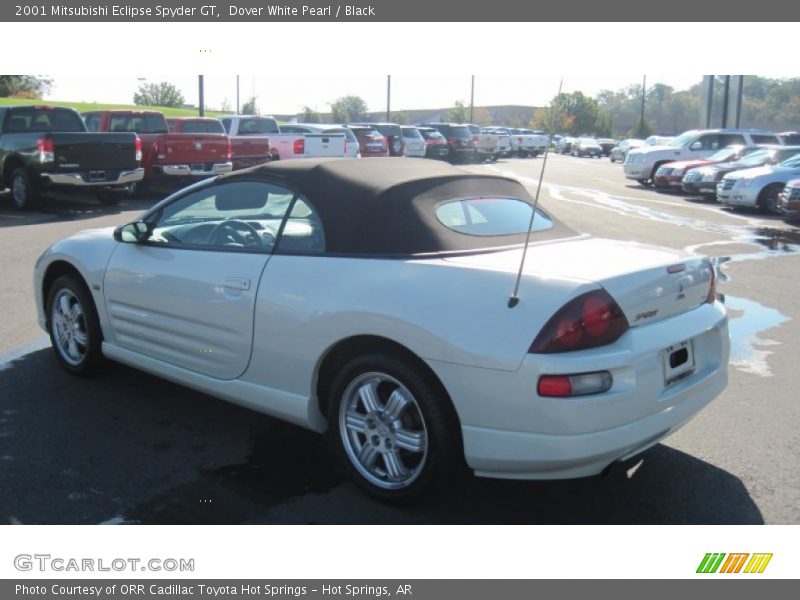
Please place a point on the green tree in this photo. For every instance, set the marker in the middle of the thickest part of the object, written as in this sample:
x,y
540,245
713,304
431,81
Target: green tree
x,y
641,129
158,94
310,116
459,113
348,109
575,113
250,107
27,86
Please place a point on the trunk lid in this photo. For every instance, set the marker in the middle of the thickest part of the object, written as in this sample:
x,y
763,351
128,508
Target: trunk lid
x,y
94,151
649,283
190,148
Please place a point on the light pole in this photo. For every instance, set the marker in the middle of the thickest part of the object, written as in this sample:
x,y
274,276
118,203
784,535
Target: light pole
x,y
472,99
388,97
201,108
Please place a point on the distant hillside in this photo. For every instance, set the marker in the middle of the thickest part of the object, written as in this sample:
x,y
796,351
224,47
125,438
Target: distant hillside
x,y
88,106
509,115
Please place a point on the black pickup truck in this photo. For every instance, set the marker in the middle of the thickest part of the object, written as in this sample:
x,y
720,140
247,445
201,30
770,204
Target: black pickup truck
x,y
44,147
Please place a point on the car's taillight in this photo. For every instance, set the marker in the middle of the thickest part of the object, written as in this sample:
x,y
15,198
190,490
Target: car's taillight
x,y
712,289
300,146
452,141
592,319
137,146
159,149
582,384
47,151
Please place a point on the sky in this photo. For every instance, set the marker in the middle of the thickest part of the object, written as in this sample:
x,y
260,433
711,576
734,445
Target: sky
x,y
287,94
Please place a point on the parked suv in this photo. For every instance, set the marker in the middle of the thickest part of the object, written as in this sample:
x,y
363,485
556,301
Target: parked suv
x,y
435,143
393,135
459,141
642,163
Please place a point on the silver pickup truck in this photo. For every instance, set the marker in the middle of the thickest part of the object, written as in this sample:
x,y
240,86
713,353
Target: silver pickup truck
x,y
487,143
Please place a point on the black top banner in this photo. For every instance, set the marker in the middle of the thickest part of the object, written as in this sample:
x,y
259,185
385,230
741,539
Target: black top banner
x,y
406,11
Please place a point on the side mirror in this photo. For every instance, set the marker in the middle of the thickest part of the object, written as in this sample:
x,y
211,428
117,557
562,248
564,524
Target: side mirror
x,y
696,146
132,233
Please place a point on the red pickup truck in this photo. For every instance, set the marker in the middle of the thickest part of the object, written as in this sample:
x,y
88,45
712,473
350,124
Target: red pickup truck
x,y
167,158
245,151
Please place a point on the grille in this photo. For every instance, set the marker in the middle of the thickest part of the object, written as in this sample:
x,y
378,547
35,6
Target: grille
x,y
691,177
794,194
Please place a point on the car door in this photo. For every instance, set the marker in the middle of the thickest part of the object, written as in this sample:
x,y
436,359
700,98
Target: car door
x,y
185,294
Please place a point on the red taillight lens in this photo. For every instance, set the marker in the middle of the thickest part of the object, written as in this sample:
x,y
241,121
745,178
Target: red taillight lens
x,y
299,146
452,141
579,384
554,385
712,290
46,150
592,319
137,146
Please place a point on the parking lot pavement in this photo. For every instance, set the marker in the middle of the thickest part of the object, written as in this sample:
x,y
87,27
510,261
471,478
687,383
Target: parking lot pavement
x,y
128,447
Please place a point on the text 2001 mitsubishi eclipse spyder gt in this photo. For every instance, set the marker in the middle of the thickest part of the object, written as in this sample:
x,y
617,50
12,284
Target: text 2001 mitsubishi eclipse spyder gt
x,y
371,299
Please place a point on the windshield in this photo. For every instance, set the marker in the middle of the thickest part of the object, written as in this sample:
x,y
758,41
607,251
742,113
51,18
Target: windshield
x,y
724,154
460,132
756,159
791,162
138,123
682,140
411,132
202,127
257,126
44,120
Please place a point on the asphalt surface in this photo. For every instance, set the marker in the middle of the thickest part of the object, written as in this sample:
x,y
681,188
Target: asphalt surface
x,y
126,447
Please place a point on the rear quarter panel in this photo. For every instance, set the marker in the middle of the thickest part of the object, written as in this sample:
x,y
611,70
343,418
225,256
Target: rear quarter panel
x,y
439,311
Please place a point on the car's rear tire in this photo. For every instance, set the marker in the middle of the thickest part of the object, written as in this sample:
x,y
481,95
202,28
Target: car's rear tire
x,y
24,193
769,200
394,429
74,326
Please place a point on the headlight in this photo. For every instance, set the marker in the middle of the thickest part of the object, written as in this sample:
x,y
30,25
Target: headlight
x,y
677,172
743,183
710,176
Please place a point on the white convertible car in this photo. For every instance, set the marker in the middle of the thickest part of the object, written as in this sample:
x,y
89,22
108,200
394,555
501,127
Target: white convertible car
x,y
371,300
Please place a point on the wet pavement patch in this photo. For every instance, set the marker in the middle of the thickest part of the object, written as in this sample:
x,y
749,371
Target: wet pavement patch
x,y
286,462
747,322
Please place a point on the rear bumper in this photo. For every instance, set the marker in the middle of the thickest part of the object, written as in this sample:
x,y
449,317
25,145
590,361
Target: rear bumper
x,y
84,179
193,170
509,431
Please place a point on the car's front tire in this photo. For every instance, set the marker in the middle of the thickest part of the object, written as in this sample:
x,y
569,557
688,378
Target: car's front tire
x,y
74,326
769,200
394,429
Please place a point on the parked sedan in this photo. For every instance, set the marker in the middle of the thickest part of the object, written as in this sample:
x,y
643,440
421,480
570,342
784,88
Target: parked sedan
x,y
759,187
435,143
607,144
371,300
670,175
370,141
704,180
790,199
620,151
413,141
586,147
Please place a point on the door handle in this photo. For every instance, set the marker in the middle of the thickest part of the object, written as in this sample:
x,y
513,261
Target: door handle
x,y
237,283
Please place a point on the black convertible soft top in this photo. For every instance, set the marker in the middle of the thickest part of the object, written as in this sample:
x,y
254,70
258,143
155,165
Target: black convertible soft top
x,y
386,206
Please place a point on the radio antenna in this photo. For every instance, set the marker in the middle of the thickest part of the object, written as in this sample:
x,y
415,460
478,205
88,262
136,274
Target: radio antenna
x,y
514,299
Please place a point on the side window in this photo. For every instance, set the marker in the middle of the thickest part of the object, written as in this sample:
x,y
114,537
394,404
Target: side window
x,y
243,215
709,141
727,139
765,139
303,230
92,122
226,123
